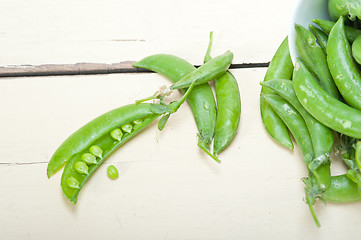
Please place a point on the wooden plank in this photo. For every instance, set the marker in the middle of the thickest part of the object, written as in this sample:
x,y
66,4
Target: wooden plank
x,y
167,187
110,31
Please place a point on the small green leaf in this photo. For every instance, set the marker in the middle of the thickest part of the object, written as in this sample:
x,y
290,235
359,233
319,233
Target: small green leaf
x,y
163,121
158,109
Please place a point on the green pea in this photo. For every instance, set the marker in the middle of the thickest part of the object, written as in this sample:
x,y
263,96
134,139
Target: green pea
x,y
89,158
127,128
116,134
96,151
138,121
112,172
73,182
81,168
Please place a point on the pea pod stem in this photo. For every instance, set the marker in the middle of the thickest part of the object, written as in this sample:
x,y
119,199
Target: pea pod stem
x,y
204,148
310,202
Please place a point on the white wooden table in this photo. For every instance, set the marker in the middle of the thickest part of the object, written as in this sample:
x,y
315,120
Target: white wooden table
x,y
167,188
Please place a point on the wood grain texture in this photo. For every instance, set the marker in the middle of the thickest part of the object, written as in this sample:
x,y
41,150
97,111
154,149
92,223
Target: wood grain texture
x,y
167,187
110,31
68,69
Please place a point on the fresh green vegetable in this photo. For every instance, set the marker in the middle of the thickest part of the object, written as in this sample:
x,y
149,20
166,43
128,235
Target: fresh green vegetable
x,y
356,50
315,59
201,99
329,111
326,26
280,67
228,105
320,35
343,67
321,136
344,8
209,71
112,172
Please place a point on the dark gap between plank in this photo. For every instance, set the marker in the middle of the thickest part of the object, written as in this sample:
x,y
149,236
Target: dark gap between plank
x,y
89,69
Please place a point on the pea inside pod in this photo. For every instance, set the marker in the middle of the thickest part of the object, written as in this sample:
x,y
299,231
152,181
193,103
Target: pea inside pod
x,y
108,145
80,139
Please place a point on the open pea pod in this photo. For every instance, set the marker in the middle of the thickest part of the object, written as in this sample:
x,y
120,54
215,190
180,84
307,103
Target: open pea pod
x,y
74,178
86,149
86,136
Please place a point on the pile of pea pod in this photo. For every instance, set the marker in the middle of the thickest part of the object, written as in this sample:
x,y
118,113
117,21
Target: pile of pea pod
x,y
85,150
318,101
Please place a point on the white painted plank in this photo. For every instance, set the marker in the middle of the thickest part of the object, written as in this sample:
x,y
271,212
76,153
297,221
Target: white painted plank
x,y
167,189
109,31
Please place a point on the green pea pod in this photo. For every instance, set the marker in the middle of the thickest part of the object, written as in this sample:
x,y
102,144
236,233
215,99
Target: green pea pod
x,y
201,99
344,8
85,136
342,190
229,111
315,59
342,65
321,136
209,71
228,104
280,67
105,141
294,122
356,50
326,26
320,35
325,108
